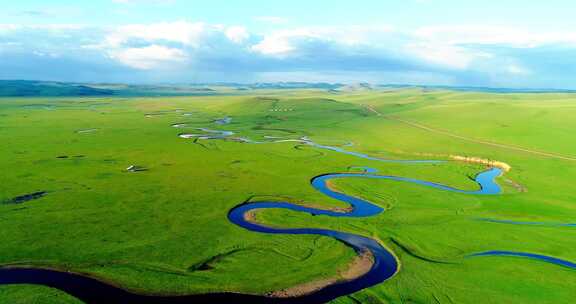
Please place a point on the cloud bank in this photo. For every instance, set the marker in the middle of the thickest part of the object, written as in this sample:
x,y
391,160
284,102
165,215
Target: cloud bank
x,y
183,51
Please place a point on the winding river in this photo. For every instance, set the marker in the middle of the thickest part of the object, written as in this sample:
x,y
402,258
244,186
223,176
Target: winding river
x,y
385,264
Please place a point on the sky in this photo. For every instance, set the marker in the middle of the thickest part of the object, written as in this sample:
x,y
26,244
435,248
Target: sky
x,y
505,43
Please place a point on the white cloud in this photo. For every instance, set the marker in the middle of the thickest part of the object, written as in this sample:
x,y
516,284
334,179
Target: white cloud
x,y
462,47
493,35
282,43
5,28
237,34
150,57
445,54
180,37
288,41
180,31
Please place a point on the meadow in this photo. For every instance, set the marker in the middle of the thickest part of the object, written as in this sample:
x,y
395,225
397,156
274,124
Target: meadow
x,y
164,230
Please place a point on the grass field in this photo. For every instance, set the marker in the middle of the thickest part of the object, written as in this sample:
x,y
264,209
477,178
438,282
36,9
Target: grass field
x,y
149,231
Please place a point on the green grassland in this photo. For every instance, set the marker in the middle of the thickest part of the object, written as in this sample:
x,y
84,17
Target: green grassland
x,y
151,231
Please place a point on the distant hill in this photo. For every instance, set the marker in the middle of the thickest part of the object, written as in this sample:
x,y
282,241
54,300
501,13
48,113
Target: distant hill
x,y
475,89
293,85
25,88
31,88
362,86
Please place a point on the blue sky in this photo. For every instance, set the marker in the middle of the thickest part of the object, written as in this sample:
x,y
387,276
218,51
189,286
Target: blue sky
x,y
504,43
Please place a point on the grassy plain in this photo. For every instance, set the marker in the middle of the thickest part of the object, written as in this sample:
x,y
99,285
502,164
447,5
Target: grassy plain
x,y
149,231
